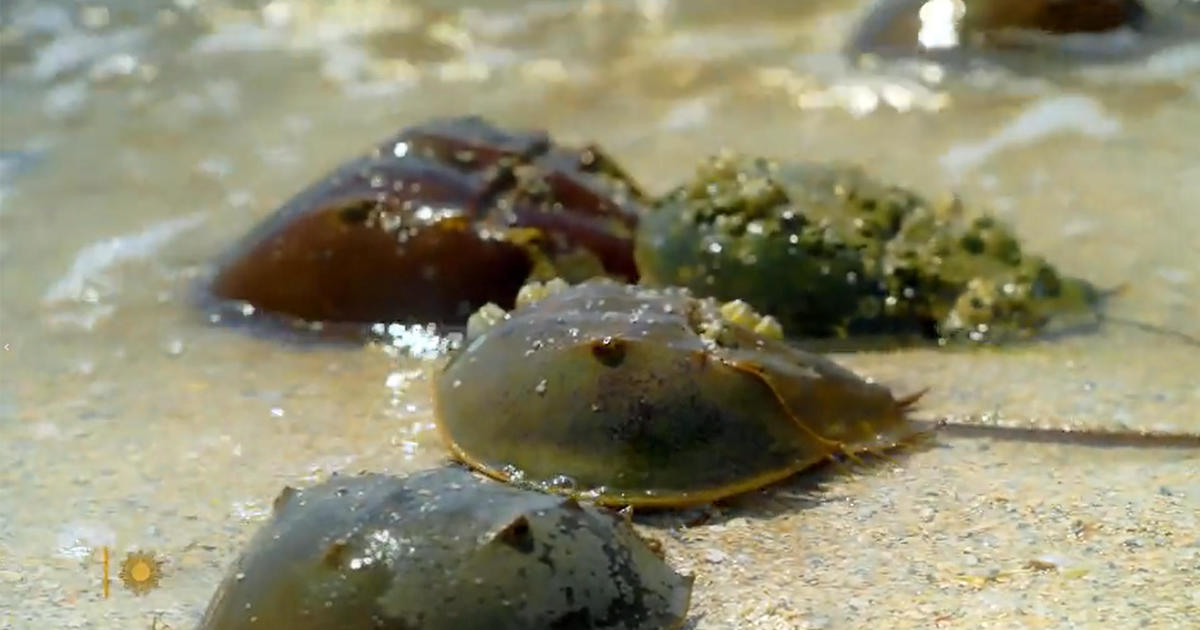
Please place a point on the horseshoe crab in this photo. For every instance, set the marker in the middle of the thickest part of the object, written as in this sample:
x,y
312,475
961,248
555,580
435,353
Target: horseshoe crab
x,y
443,549
832,252
454,214
905,26
432,224
625,395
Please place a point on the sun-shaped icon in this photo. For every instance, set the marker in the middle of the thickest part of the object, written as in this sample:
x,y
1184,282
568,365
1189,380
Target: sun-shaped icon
x,y
141,571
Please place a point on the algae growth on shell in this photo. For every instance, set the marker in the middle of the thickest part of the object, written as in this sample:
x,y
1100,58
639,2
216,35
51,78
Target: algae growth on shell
x,y
832,252
626,395
443,549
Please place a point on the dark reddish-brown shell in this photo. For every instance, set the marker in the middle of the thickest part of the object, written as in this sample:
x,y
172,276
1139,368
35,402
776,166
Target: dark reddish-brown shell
x,y
610,393
893,26
433,223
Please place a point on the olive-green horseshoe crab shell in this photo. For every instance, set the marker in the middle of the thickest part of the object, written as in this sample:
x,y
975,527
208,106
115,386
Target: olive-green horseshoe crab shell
x,y
625,395
445,550
832,252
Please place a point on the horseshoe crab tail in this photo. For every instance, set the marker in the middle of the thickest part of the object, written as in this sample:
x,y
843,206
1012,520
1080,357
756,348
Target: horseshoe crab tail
x,y
1098,438
1153,329
909,402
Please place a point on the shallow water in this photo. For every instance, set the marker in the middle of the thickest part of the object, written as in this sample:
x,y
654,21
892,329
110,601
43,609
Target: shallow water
x,y
137,142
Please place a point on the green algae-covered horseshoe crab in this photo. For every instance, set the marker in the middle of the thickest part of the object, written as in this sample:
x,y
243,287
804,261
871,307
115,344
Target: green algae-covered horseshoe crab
x,y
453,214
625,395
832,252
444,549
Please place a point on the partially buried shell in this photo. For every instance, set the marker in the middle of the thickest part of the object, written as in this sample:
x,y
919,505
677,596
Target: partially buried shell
x,y
433,223
631,396
908,26
444,550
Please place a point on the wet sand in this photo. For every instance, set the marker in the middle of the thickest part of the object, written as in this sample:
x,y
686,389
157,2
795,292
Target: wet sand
x,y
128,420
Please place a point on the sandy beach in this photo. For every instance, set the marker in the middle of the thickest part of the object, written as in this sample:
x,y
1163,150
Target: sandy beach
x,y
138,142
